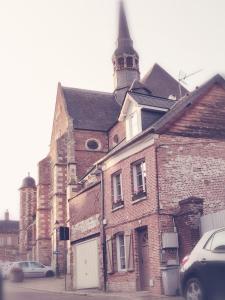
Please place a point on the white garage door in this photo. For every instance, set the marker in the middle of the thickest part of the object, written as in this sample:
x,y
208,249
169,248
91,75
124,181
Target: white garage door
x,y
87,267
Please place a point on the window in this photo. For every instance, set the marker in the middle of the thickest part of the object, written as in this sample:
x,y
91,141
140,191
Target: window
x,y
92,144
120,249
133,126
116,139
117,190
139,180
36,265
24,265
121,62
218,242
129,61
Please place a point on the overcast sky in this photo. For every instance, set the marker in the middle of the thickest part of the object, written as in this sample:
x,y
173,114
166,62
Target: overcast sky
x,y
72,41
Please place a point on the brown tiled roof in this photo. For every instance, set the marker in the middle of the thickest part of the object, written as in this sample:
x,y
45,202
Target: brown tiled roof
x,y
7,226
162,83
181,105
91,110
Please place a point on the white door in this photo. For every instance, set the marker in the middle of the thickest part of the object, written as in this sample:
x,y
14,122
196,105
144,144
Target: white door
x,y
87,266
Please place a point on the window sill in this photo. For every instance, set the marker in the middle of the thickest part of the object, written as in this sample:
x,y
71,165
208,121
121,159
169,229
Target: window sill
x,y
117,208
140,195
139,200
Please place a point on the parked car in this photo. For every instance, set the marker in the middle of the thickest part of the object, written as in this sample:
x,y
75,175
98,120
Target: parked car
x,y
202,273
32,269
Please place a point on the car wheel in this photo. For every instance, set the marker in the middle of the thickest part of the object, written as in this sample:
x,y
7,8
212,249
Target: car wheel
x,y
194,290
49,274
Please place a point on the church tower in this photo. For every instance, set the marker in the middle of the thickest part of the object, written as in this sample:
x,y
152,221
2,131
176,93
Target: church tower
x,y
125,59
27,234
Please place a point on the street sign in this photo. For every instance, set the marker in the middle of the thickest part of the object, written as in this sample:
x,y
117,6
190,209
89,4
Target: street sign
x,y
56,252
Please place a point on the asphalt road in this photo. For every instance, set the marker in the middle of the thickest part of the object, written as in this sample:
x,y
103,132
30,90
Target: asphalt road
x,y
18,292
27,294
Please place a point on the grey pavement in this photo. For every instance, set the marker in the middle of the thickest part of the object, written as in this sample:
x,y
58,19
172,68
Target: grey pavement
x,y
49,288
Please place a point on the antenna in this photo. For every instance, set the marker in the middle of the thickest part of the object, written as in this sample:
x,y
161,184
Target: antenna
x,y
183,76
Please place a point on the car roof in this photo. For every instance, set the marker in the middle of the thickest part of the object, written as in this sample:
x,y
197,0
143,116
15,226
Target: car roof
x,y
201,243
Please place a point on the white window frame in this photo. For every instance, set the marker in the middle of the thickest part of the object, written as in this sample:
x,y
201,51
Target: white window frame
x,y
143,174
118,252
116,197
133,128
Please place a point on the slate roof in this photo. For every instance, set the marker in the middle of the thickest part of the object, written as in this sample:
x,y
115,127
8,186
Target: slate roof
x,y
91,110
28,182
148,100
162,83
124,42
7,226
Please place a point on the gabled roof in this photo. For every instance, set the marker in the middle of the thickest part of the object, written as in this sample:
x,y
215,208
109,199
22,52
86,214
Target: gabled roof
x,y
144,99
91,110
162,83
7,226
178,109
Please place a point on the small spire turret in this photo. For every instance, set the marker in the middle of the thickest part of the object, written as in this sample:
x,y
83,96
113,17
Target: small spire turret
x,y
125,58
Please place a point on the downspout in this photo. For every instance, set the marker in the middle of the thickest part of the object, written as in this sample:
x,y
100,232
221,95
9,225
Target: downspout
x,y
102,229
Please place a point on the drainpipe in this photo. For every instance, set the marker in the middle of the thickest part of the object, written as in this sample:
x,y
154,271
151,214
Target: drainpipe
x,y
99,171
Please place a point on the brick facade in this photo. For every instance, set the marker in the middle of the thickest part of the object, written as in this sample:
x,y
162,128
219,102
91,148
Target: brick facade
x,y
9,239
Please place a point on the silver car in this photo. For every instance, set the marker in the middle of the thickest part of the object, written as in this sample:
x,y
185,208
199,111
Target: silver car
x,y
32,269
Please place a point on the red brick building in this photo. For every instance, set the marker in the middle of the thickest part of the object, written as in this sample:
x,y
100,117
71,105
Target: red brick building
x,y
130,172
9,239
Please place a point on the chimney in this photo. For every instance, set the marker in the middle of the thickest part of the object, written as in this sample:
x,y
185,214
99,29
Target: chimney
x,y
7,215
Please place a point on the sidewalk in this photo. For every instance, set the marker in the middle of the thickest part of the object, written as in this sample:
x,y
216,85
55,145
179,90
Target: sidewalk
x,y
57,285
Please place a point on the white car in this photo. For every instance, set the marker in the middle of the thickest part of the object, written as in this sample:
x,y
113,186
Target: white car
x,y
32,269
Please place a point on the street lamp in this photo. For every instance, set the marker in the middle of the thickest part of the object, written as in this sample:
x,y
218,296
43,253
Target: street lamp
x,y
56,225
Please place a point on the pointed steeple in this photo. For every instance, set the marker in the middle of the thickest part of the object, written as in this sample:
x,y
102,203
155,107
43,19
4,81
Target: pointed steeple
x,y
125,58
123,26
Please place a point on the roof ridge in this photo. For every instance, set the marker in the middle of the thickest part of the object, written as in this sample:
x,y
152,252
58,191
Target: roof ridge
x,y
85,90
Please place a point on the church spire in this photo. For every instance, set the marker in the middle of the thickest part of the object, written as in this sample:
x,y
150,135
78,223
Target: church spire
x,y
123,26
125,58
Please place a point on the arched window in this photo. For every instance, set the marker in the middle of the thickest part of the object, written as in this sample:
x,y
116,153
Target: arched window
x,y
129,61
121,62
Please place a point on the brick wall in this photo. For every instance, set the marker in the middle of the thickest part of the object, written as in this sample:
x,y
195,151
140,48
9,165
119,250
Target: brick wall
x,y
191,167
119,130
132,216
84,223
28,202
43,218
85,157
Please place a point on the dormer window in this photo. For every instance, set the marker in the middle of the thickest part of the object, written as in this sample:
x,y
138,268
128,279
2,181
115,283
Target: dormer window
x,y
129,62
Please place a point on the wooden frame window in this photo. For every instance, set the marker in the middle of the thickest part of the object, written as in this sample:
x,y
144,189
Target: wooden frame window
x,y
139,179
117,193
121,252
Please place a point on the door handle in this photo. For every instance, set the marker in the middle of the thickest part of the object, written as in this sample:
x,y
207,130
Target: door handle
x,y
203,261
